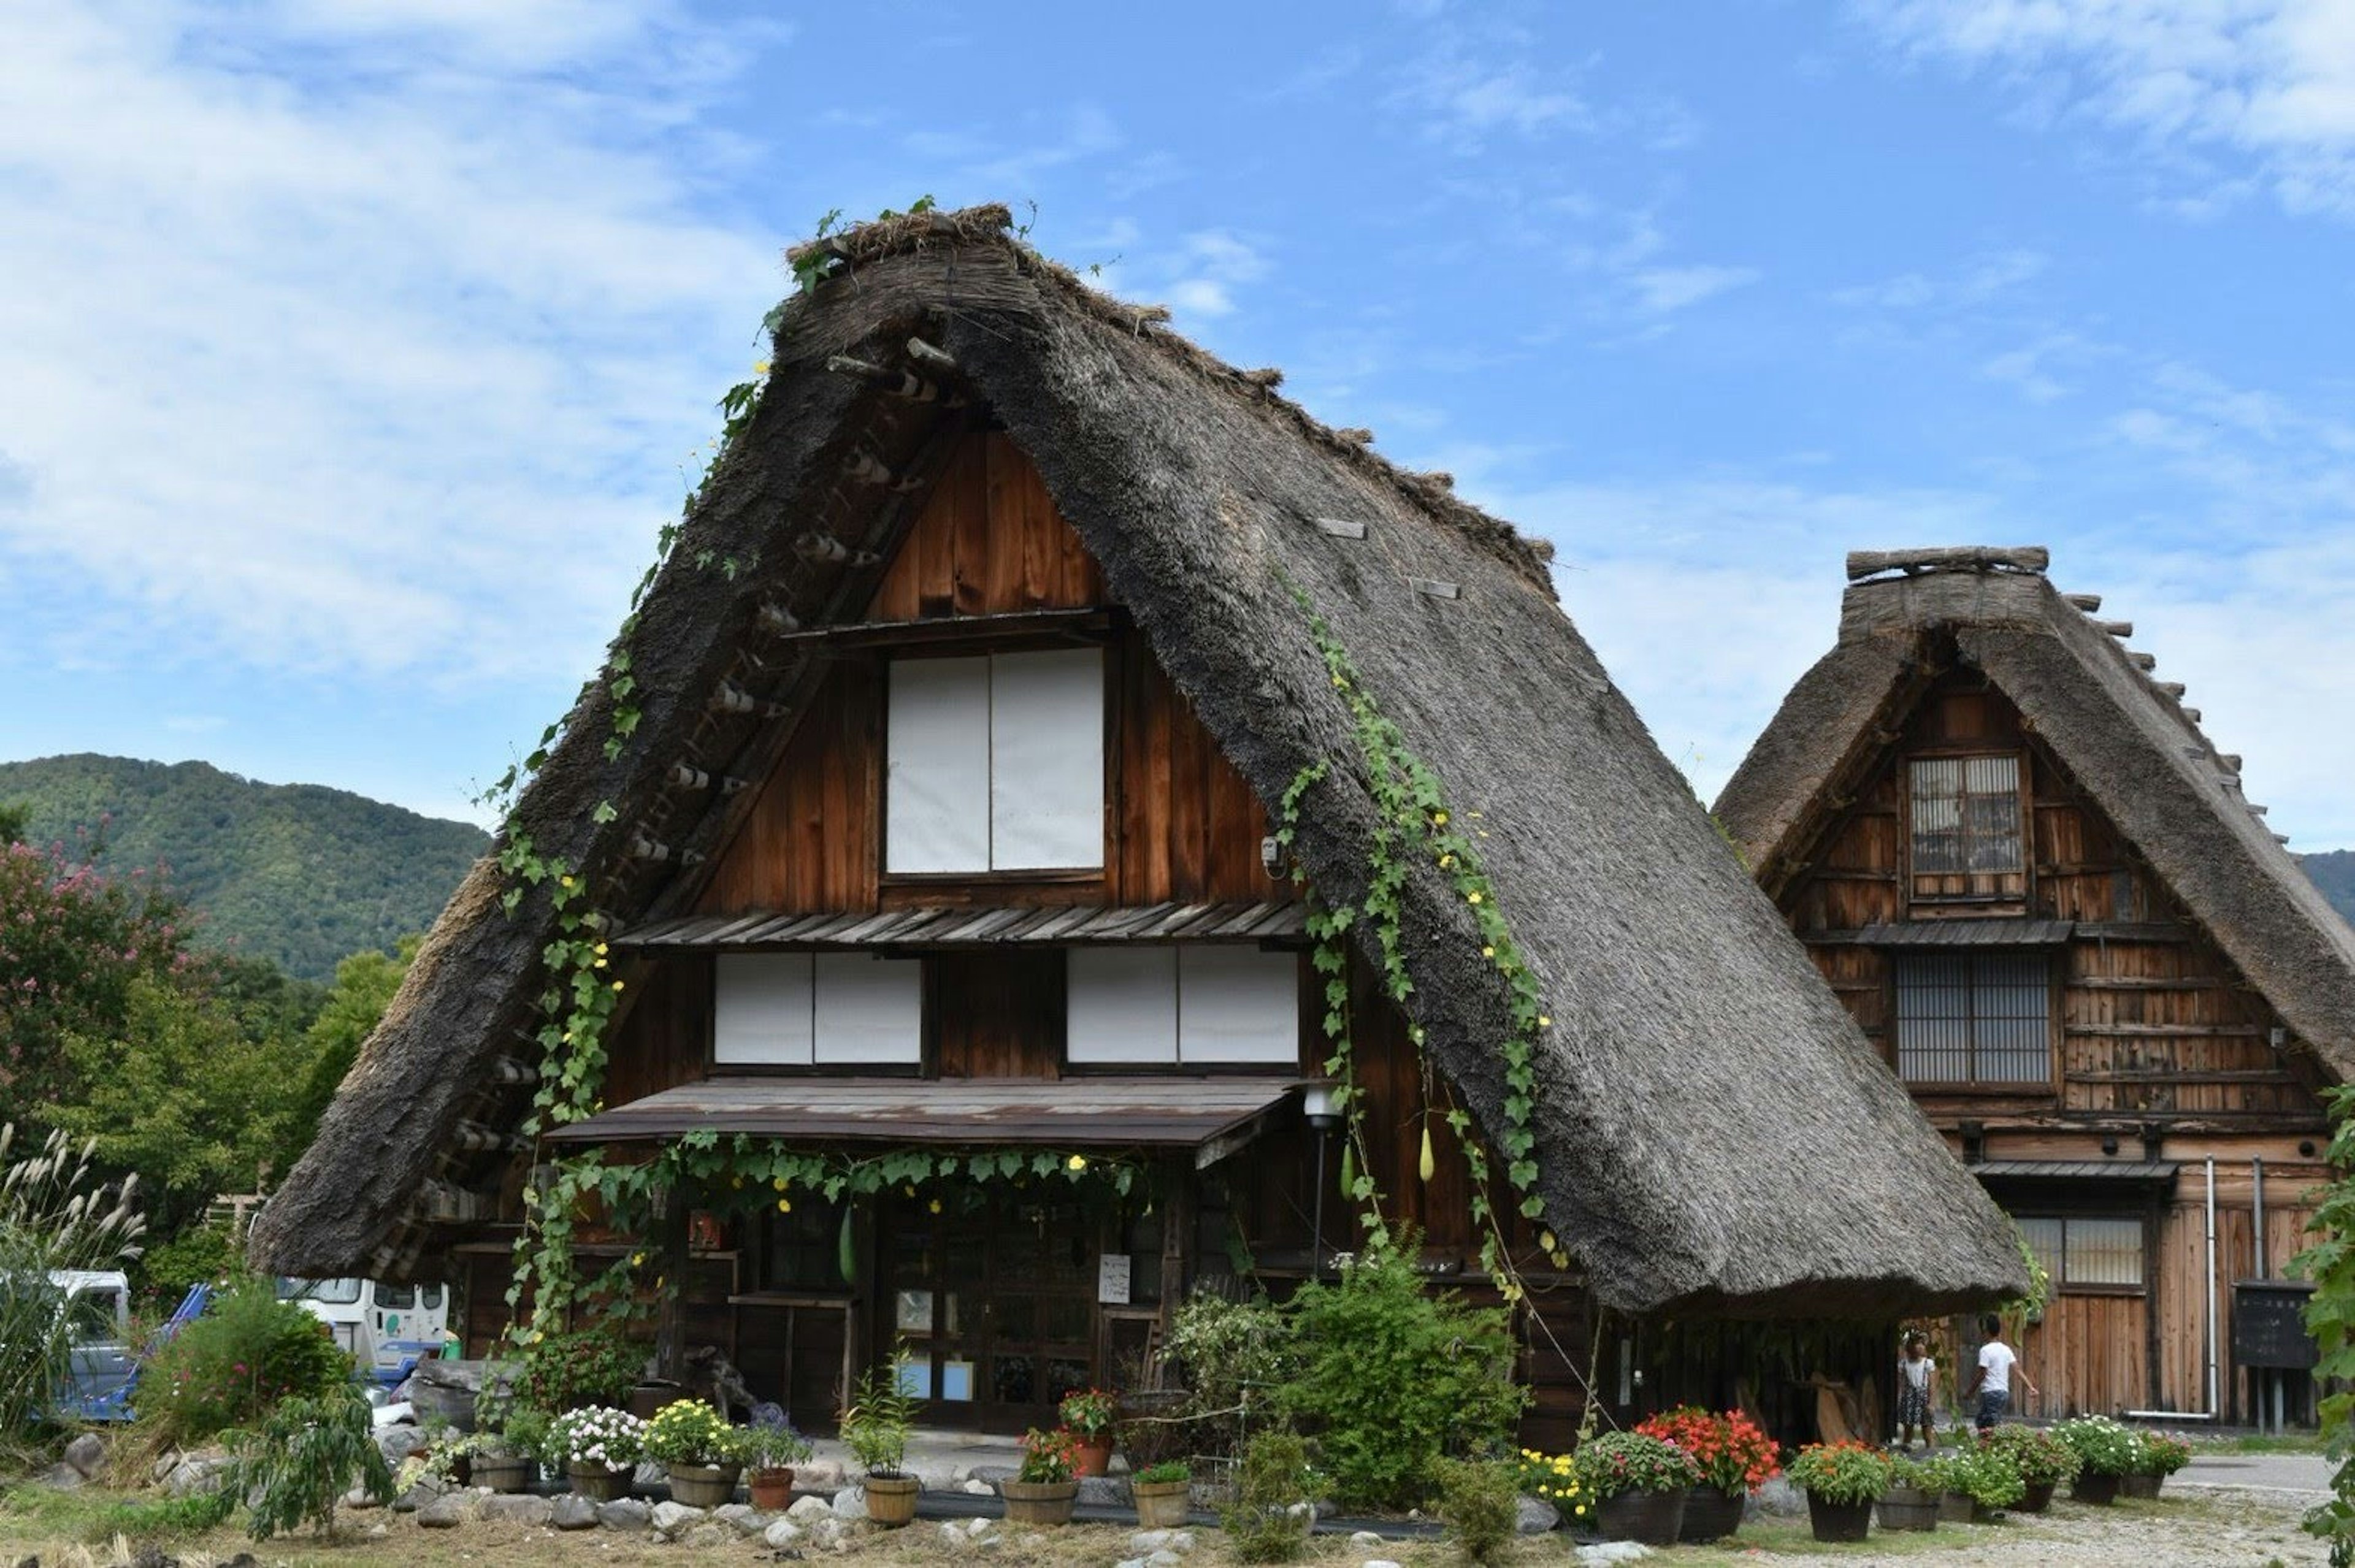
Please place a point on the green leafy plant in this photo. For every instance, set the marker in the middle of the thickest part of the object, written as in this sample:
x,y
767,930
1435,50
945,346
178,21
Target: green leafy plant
x,y
777,1447
249,1351
55,1214
1048,1455
1615,1462
1233,1355
2161,1455
1554,1479
1479,1501
302,1459
1917,1475
595,1365
1394,1376
1087,1412
2101,1445
1275,1506
876,1424
1987,1476
1167,1473
2329,1261
528,1432
689,1432
1847,1472
2041,1458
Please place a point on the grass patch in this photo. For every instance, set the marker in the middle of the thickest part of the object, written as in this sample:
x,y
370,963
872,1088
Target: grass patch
x,y
2265,1443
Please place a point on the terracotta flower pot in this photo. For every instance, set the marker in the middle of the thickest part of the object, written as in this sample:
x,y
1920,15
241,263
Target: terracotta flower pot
x,y
2039,1497
1091,1455
1162,1504
1039,1502
1653,1518
502,1475
2144,1487
703,1486
599,1483
892,1499
2094,1487
1711,1513
1838,1522
1909,1508
772,1488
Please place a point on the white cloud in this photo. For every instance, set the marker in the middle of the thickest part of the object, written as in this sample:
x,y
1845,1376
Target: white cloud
x,y
1661,290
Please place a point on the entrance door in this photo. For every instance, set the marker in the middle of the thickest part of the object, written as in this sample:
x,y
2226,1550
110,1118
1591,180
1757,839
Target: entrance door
x,y
996,1303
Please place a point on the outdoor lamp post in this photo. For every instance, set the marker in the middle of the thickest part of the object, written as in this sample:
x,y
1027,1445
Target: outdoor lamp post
x,y
1316,1105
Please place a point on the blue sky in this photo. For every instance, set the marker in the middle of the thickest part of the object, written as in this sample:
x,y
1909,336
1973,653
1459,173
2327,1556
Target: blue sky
x,y
352,353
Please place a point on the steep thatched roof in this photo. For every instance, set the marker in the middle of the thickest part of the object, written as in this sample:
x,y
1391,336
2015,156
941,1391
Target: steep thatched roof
x,y
2125,737
1686,1153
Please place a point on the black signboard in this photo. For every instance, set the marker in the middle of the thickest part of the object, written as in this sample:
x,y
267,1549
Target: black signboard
x,y
2269,1325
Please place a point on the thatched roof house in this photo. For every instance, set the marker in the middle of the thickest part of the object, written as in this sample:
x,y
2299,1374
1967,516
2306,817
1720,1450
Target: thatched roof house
x,y
1686,1155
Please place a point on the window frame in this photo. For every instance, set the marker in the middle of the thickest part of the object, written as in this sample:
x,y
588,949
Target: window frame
x,y
2045,1087
2025,837
922,1067
1179,1063
2057,1269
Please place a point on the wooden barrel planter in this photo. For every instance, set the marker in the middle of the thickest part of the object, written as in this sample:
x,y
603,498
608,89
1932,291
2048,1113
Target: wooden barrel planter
x,y
1654,1518
501,1473
1909,1508
1831,1521
2144,1487
1162,1504
703,1486
2039,1497
1039,1502
1711,1513
1954,1508
892,1499
2095,1488
599,1483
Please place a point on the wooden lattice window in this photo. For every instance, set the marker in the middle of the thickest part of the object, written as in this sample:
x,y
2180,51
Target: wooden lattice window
x,y
2087,1252
1974,1018
1966,838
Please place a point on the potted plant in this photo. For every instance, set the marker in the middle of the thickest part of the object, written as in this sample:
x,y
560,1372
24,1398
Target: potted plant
x,y
698,1449
769,1454
875,1429
599,1446
1163,1494
1639,1484
571,1371
2042,1460
2156,1457
2104,1450
1044,1489
503,1460
1553,1479
1981,1482
1842,1480
1735,1459
1087,1415
1911,1501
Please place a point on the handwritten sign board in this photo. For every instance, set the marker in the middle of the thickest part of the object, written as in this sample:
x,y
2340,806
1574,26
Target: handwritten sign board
x,y
2268,1330
1112,1280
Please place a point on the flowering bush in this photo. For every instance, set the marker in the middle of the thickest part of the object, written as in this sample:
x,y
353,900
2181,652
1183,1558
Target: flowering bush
x,y
1918,1475
2160,1454
2101,1445
689,1432
1047,1456
1847,1472
1733,1454
1619,1462
1553,1479
775,1447
2041,1458
593,1366
1087,1412
597,1435
1987,1476
246,1353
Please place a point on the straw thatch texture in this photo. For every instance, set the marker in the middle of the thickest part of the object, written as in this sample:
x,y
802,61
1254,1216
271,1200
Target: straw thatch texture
x,y
2125,739
1686,1155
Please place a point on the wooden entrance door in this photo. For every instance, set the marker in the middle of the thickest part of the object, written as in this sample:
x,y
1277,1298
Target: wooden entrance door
x,y
996,1304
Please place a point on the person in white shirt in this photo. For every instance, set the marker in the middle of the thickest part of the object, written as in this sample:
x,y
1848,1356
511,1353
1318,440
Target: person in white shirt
x,y
1998,1362
1916,1372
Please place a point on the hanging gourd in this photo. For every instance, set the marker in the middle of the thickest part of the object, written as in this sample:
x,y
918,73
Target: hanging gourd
x,y
846,1249
1348,1168
1428,1165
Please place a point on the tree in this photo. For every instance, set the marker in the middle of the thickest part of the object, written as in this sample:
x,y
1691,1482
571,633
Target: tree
x,y
365,983
13,820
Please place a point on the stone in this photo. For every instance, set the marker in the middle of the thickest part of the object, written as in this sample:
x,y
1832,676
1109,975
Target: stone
x,y
672,1521
517,1507
711,1537
397,1442
782,1534
572,1511
1365,1540
63,1476
360,1498
975,1487
741,1517
422,1490
378,1530
1105,1491
158,1471
625,1513
1377,1563
445,1512
153,1556
1129,1562
1778,1499
1610,1554
1164,1558
977,1528
1535,1517
87,1453
809,1511
196,1473
850,1503
819,1475
952,1536
995,1475
829,1534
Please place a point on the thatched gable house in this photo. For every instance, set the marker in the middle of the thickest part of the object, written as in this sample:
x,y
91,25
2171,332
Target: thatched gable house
x,y
2039,886
962,447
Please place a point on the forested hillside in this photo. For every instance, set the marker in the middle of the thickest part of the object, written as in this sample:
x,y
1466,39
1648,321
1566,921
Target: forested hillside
x,y
2334,873
300,874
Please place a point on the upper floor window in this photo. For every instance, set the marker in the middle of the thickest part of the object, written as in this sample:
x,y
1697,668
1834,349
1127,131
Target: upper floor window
x,y
1171,1005
1974,1018
818,1009
2086,1251
995,763
1966,816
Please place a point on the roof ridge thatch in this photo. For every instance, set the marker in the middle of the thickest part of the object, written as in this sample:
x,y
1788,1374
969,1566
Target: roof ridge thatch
x,y
2126,737
1694,1043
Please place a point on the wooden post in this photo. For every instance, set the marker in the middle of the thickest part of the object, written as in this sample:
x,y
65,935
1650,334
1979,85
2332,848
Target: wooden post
x,y
670,1317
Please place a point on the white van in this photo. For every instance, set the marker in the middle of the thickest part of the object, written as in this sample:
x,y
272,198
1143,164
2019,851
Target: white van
x,y
98,1305
385,1328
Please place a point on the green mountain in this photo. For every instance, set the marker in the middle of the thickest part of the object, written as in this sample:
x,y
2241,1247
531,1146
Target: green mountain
x,y
298,873
2334,872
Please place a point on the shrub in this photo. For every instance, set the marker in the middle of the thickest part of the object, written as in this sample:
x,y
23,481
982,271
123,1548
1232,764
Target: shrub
x,y
1392,1377
1233,1353
1554,1479
1480,1503
1733,1454
246,1353
591,1366
1845,1472
689,1432
53,1215
1987,1476
2101,1445
201,1254
1047,1456
1618,1462
307,1453
2041,1458
1275,1506
2161,1455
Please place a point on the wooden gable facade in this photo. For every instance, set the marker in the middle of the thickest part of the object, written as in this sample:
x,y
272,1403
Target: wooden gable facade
x,y
2074,1028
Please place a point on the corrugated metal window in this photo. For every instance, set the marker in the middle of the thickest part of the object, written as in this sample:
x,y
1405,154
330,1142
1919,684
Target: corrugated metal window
x,y
1966,813
2086,1249
1974,1018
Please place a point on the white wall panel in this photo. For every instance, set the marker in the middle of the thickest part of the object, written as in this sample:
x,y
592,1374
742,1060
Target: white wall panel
x,y
1238,1005
936,788
1047,760
1123,1006
761,1009
870,1011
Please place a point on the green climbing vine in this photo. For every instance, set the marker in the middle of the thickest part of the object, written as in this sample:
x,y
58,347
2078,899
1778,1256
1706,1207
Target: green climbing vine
x,y
2329,1262
1412,822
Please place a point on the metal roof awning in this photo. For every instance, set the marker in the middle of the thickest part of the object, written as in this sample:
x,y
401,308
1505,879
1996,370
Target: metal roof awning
x,y
2000,931
2118,1172
1213,1117
970,927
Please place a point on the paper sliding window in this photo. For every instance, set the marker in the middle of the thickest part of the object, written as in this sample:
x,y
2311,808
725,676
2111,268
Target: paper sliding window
x,y
995,763
1182,1006
802,1009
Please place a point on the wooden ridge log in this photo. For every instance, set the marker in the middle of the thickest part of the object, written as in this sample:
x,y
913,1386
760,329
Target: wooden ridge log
x,y
2033,558
2116,628
2088,602
2142,661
